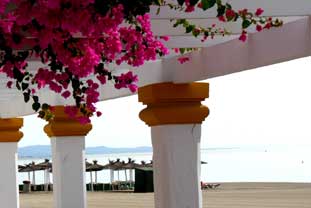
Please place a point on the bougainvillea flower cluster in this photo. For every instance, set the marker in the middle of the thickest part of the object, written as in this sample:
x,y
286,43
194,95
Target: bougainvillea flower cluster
x,y
76,41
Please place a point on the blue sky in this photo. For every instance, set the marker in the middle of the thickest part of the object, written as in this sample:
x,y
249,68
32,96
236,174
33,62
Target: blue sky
x,y
265,106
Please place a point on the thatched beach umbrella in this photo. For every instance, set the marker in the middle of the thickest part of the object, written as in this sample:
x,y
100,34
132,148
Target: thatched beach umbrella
x,y
20,167
25,169
131,165
110,166
119,165
146,165
87,164
150,164
46,166
94,168
114,166
31,167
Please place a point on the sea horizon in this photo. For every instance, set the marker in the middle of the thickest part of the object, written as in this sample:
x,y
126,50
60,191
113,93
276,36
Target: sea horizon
x,y
243,164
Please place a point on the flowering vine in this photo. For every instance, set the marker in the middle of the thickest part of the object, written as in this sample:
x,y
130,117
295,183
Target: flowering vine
x,y
76,40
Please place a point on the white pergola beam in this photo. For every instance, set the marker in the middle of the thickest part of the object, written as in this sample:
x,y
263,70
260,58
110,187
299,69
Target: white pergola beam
x,y
162,27
271,7
291,41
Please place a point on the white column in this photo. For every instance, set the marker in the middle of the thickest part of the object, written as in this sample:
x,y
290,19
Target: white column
x,y
9,137
68,154
9,194
175,113
176,162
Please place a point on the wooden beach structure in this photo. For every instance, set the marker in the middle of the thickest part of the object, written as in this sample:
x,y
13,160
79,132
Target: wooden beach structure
x,y
172,96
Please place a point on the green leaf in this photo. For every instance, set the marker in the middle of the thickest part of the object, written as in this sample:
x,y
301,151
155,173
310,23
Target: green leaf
x,y
182,50
221,10
26,97
24,86
193,2
228,6
158,10
41,114
246,23
36,106
179,22
181,2
35,99
195,33
18,74
18,86
45,106
190,28
75,84
158,2
207,4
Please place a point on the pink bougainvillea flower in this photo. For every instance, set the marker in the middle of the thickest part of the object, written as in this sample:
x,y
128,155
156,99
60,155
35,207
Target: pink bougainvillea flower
x,y
128,80
222,18
9,84
243,12
259,28
267,26
230,14
71,111
66,94
243,36
183,60
165,38
259,12
84,119
98,113
189,7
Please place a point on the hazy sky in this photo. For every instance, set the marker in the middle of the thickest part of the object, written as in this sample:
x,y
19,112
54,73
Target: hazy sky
x,y
269,105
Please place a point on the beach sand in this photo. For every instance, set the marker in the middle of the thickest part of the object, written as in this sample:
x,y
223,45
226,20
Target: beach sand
x,y
228,195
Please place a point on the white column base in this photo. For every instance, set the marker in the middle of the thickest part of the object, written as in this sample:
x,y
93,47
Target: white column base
x,y
176,162
9,194
69,172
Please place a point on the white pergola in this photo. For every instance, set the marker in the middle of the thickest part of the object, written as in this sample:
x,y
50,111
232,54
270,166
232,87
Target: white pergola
x,y
176,145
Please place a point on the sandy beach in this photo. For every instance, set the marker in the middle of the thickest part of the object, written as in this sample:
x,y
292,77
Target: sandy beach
x,y
228,195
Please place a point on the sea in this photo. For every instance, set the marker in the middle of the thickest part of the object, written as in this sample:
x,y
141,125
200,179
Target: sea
x,y
232,164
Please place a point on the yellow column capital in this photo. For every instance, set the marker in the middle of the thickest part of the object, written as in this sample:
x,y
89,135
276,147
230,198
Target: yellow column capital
x,y
62,125
169,103
9,129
